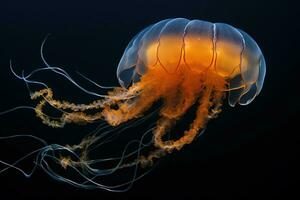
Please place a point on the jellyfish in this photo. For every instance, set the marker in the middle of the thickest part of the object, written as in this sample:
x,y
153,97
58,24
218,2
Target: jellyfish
x,y
179,62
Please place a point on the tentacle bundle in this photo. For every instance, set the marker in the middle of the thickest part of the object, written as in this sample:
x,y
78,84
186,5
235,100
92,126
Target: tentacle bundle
x,y
178,92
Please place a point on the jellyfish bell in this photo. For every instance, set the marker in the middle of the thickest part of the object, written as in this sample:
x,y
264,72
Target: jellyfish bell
x,y
198,45
177,61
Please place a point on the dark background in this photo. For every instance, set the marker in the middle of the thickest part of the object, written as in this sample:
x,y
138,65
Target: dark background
x,y
248,152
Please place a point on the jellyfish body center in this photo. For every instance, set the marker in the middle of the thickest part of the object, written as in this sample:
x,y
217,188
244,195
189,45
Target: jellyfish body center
x,y
172,53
